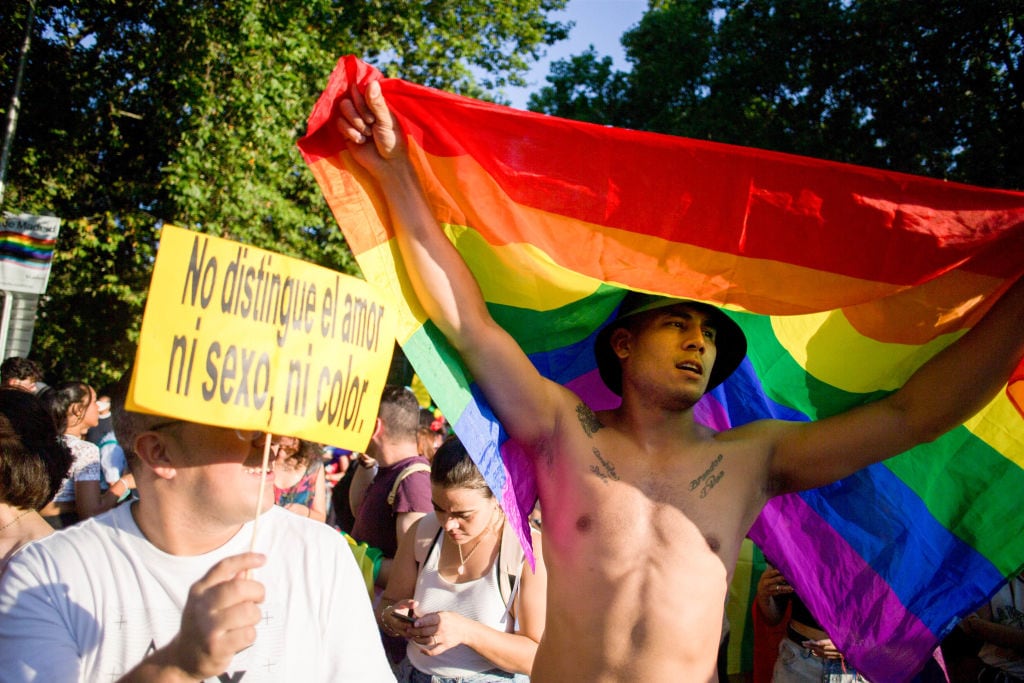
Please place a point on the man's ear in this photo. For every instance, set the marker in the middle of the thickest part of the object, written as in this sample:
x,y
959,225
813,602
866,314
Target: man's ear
x,y
621,342
152,450
378,429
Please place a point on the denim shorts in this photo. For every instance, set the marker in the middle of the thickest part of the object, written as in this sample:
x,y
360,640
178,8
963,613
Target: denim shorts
x,y
796,664
407,673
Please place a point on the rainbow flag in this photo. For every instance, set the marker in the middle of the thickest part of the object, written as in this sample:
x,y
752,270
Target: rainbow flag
x,y
844,279
25,249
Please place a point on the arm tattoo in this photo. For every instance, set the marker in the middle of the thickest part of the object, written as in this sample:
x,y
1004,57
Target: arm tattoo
x,y
606,470
588,419
590,423
709,478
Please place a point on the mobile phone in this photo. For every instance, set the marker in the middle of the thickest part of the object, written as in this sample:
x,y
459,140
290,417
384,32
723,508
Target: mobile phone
x,y
404,616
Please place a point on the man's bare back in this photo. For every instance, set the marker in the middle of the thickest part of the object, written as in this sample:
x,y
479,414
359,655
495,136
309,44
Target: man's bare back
x,y
639,548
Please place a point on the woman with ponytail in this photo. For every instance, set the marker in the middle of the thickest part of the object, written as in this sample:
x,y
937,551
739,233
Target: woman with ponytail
x,y
73,408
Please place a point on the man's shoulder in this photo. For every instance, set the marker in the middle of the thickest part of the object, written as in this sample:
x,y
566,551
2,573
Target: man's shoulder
x,y
416,467
402,465
411,482
411,470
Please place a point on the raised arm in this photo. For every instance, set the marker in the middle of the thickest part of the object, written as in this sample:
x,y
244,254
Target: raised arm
x,y
526,403
943,393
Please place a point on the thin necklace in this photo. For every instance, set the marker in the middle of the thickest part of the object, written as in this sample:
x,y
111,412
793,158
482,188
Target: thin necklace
x,y
11,523
462,561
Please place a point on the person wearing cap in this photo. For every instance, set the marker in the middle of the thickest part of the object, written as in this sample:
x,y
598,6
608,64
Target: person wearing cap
x,y
182,584
644,508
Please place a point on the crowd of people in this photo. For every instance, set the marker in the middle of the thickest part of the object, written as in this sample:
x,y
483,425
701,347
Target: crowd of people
x,y
156,571
178,547
453,595
132,552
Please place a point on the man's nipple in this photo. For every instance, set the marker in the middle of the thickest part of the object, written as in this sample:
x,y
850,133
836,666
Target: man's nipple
x,y
584,523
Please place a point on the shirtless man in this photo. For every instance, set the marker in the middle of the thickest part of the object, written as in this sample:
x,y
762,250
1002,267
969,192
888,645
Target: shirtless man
x,y
644,509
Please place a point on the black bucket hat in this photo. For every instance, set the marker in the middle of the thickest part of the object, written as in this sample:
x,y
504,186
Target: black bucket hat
x,y
730,341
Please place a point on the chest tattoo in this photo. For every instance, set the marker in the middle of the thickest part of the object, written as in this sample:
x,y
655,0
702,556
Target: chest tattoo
x,y
709,477
588,419
605,470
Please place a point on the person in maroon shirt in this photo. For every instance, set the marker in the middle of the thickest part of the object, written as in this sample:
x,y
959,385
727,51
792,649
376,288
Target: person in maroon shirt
x,y
392,453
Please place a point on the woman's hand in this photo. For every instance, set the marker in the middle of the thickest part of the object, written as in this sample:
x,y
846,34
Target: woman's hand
x,y
772,583
823,648
439,632
392,624
367,462
770,587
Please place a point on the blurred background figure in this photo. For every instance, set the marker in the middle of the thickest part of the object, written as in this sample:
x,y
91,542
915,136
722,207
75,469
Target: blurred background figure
x,y
998,628
431,432
801,649
479,609
806,652
21,373
341,515
113,463
104,427
33,463
336,463
299,484
72,407
390,487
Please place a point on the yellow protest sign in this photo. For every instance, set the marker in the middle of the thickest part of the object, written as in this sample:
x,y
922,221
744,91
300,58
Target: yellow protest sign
x,y
242,337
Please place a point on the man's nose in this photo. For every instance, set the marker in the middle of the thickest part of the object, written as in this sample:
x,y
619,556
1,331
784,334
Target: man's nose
x,y
694,339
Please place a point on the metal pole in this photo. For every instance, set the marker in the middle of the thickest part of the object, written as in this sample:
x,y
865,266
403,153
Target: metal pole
x,y
5,322
15,108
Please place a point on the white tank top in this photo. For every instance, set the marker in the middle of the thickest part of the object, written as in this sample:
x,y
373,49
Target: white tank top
x,y
479,600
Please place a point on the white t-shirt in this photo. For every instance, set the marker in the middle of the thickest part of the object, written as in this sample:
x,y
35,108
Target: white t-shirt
x,y
90,602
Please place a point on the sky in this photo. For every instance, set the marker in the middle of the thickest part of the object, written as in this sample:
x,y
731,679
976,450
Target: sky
x,y
597,22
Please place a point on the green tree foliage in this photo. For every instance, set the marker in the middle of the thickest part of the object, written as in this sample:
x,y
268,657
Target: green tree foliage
x,y
187,111
934,88
585,88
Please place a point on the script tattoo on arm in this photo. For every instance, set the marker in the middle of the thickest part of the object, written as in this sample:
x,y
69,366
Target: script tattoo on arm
x,y
606,470
708,478
590,423
588,419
